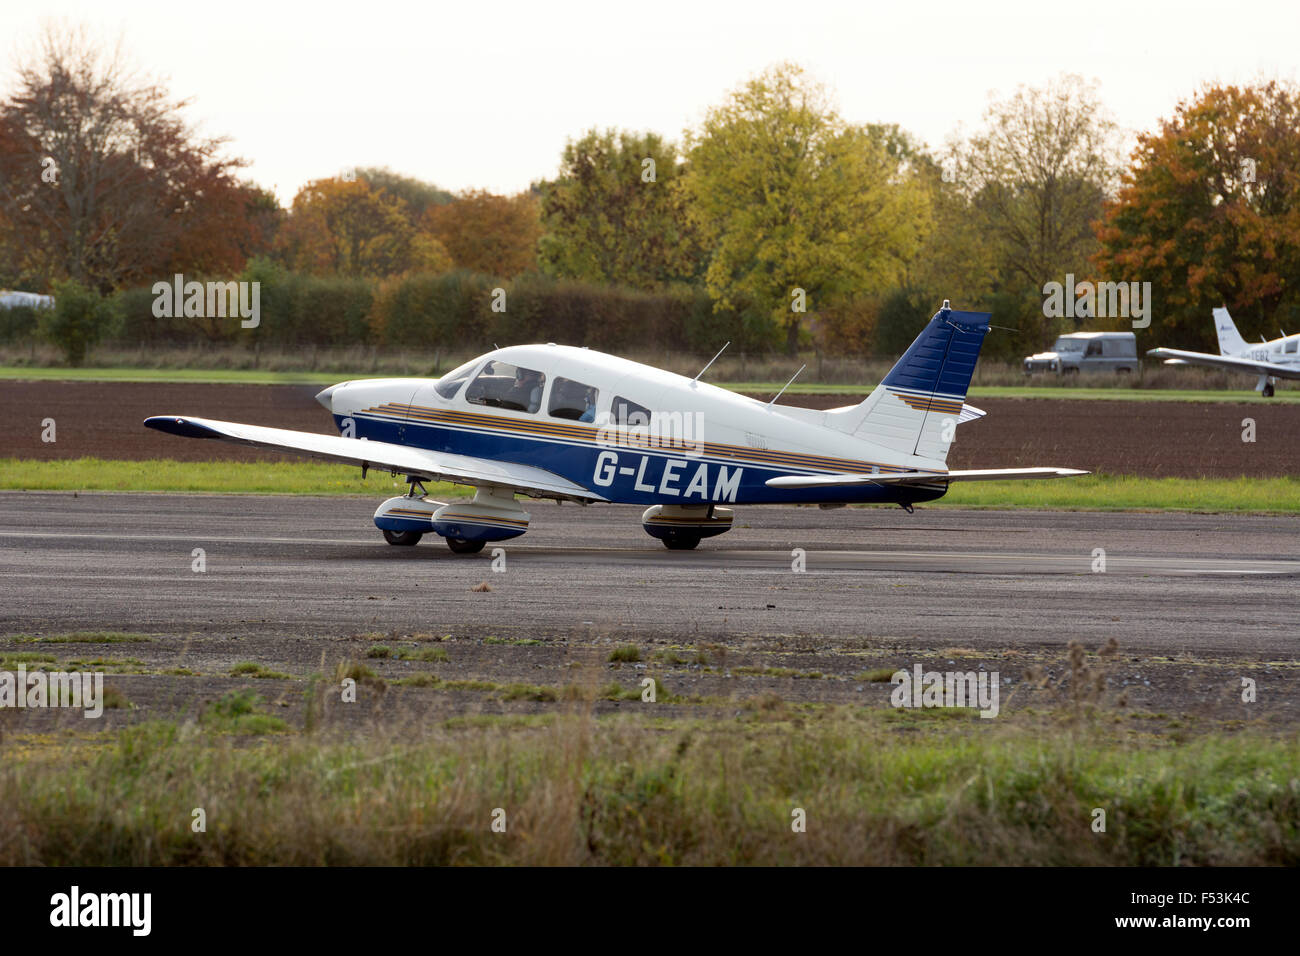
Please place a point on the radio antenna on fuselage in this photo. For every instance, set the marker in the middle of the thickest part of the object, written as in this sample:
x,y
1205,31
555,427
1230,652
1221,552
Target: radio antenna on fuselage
x,y
711,361
785,386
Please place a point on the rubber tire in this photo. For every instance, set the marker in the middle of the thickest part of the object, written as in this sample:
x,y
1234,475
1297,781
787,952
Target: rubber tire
x,y
403,539
461,546
1123,371
681,542
1268,389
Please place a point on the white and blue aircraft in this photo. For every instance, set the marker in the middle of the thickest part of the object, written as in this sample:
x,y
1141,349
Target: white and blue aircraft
x,y
551,421
1279,358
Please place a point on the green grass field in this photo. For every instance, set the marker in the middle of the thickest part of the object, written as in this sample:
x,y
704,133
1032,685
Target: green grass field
x,y
1090,492
210,477
1130,493
259,377
20,373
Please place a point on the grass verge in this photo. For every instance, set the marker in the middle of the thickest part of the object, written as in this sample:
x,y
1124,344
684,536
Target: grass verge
x,y
212,477
1129,492
1091,492
1046,386
576,790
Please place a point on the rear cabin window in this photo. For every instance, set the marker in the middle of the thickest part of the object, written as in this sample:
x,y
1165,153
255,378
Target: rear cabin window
x,y
627,412
572,400
502,385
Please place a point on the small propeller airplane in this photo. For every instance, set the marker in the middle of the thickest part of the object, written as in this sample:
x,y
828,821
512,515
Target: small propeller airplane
x,y
571,424
1270,360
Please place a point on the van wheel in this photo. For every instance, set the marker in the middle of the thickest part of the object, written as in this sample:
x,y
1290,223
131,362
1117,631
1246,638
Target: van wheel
x,y
1122,371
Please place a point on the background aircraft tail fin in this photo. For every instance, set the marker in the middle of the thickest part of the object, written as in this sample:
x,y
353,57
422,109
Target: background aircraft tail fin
x,y
916,408
1230,340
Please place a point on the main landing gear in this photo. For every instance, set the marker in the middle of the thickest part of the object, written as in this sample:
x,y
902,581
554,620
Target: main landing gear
x,y
461,546
405,539
467,526
682,527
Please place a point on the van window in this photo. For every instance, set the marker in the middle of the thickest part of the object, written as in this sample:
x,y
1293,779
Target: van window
x,y
572,400
449,384
1291,344
502,385
626,412
1094,348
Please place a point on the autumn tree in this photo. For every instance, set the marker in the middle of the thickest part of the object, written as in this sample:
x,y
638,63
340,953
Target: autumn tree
x,y
418,195
796,206
495,235
344,228
1034,180
102,181
1209,213
616,213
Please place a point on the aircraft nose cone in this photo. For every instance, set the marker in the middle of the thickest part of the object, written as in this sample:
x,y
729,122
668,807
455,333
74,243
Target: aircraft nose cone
x,y
324,398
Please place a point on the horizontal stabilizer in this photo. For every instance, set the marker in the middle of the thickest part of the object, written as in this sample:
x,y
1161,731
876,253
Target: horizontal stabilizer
x,y
403,459
920,477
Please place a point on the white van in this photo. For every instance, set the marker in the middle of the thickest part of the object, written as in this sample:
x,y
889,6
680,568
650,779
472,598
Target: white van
x,y
1087,351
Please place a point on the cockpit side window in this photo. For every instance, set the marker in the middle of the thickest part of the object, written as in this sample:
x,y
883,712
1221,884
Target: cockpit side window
x,y
1291,344
627,412
449,384
572,400
502,385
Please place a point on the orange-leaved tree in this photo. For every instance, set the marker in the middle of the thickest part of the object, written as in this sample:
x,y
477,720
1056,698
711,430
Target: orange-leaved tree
x,y
1209,213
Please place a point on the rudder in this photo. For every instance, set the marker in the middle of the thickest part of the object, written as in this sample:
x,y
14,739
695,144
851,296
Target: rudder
x,y
916,406
1230,340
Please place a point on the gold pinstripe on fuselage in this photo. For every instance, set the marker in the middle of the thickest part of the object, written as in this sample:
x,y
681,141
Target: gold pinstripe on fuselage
x,y
623,439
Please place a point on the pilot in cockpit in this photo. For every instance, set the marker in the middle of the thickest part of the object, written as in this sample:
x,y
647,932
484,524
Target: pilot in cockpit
x,y
527,390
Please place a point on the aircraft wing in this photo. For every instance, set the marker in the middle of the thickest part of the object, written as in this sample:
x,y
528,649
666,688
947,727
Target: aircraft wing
x,y
919,477
416,462
1178,357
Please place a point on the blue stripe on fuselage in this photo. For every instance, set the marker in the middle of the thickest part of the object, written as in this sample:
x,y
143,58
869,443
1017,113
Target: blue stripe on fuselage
x,y
633,475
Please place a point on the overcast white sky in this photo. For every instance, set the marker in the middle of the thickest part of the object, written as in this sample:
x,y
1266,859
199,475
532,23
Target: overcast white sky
x,y
483,95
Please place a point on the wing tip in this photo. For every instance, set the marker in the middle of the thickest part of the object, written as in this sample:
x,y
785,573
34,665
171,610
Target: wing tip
x,y
178,425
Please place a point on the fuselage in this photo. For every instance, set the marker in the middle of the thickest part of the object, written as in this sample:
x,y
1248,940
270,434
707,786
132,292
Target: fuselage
x,y
1283,351
629,432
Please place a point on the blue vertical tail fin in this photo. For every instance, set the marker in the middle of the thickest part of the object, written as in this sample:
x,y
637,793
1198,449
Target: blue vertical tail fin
x,y
915,408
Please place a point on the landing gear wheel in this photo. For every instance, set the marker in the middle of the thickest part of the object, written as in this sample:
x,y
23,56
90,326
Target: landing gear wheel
x,y
461,546
681,542
403,538
1268,389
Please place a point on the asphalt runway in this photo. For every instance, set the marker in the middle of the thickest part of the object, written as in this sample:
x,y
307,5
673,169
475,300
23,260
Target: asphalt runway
x,y
1209,584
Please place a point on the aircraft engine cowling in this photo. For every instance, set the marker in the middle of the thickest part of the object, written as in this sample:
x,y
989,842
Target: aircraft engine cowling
x,y
701,521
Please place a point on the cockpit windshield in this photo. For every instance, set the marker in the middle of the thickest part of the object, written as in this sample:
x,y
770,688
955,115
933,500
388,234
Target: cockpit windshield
x,y
449,384
1064,344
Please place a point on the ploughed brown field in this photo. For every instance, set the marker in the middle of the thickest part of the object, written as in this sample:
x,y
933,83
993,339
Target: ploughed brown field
x,y
1156,439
